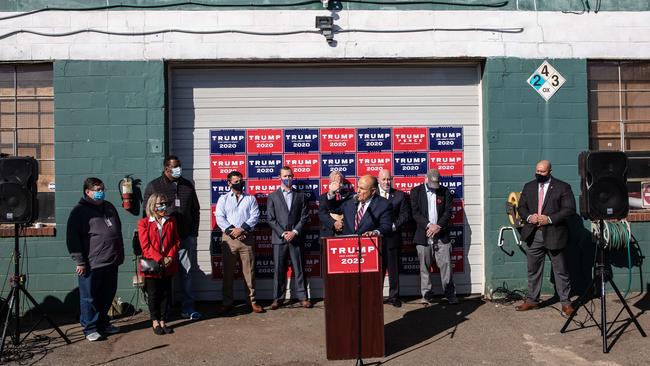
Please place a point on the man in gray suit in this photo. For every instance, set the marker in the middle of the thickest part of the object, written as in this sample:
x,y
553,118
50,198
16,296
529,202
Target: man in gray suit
x,y
287,216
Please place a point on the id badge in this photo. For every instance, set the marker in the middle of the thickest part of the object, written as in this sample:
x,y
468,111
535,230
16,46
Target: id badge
x,y
177,202
108,222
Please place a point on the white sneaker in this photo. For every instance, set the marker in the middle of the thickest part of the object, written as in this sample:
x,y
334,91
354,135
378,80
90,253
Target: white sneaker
x,y
112,329
94,336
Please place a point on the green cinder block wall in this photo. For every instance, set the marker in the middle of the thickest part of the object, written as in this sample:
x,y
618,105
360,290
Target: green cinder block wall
x,y
519,129
107,117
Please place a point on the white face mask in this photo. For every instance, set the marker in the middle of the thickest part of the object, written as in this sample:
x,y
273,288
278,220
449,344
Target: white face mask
x,y
176,172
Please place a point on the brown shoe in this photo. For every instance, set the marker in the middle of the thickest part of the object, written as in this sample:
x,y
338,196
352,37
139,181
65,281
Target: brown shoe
x,y
526,306
306,304
275,305
567,310
257,308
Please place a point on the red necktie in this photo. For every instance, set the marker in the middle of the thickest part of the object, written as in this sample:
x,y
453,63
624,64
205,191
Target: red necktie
x,y
540,198
337,196
357,219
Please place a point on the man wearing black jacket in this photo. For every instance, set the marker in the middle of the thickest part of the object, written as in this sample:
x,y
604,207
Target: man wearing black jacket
x,y
94,240
431,205
330,203
185,208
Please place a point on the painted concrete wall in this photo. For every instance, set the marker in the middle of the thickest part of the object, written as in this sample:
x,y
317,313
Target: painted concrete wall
x,y
109,116
359,34
520,128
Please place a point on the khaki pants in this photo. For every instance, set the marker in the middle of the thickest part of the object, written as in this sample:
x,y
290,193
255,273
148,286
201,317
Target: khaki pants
x,y
231,249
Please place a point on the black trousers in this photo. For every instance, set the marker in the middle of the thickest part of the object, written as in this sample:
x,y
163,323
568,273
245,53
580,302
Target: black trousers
x,y
390,262
159,294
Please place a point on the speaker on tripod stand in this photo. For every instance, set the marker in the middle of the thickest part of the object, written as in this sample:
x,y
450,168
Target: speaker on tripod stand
x,y
18,206
603,196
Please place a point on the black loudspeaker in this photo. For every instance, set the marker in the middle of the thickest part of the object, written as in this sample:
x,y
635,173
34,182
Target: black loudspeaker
x,y
18,176
603,185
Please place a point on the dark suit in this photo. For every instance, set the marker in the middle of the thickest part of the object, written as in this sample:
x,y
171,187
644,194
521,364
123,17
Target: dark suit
x,y
282,218
377,216
559,204
327,206
393,240
441,247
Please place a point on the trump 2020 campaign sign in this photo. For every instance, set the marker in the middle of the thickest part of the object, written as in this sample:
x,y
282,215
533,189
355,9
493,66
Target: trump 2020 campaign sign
x,y
408,152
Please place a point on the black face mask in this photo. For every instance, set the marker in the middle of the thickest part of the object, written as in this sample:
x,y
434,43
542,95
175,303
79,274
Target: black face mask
x,y
542,178
239,186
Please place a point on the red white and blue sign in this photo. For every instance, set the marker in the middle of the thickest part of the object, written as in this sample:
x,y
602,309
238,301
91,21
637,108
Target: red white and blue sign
x,y
446,138
217,188
447,162
454,184
410,139
264,141
264,166
410,163
405,184
309,187
303,165
373,163
301,140
374,139
457,235
227,141
222,165
337,140
344,163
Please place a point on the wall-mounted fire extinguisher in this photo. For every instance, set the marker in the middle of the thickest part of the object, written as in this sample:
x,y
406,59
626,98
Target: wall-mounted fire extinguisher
x,y
126,190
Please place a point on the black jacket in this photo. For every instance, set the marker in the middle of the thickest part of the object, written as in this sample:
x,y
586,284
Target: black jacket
x,y
187,215
401,215
420,210
91,240
559,204
327,206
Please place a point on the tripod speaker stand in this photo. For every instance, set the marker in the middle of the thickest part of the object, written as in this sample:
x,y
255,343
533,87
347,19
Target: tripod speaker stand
x,y
12,304
601,276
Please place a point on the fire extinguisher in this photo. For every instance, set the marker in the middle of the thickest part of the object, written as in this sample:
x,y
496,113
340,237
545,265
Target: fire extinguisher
x,y
126,190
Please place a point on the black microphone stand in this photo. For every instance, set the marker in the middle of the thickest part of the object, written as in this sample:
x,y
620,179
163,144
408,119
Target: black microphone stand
x,y
359,330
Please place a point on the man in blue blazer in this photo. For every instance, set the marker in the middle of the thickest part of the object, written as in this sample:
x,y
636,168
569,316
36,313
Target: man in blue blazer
x,y
287,217
369,214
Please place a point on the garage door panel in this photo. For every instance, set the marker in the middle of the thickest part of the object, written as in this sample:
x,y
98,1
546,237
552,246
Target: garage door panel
x,y
316,97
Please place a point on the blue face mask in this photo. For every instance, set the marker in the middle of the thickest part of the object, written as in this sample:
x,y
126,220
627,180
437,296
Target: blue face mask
x,y
98,195
176,172
287,182
161,208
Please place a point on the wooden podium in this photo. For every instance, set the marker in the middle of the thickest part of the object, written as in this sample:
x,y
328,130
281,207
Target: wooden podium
x,y
342,315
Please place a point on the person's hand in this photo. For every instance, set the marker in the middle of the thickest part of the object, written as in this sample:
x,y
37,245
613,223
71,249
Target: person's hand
x,y
81,270
533,219
542,220
241,237
288,235
338,225
432,229
236,232
370,233
167,261
334,186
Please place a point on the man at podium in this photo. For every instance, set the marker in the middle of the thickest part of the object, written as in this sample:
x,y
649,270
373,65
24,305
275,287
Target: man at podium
x,y
367,213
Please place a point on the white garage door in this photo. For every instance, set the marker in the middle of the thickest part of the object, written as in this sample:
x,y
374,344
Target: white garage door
x,y
203,99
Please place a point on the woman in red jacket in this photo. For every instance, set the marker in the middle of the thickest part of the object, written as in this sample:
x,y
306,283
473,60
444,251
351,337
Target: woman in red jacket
x,y
159,241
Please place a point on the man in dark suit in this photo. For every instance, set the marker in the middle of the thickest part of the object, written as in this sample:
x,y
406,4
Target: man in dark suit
x,y
329,208
546,203
431,206
392,241
368,214
287,216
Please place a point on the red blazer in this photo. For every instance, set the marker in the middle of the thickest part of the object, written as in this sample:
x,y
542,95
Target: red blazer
x,y
151,245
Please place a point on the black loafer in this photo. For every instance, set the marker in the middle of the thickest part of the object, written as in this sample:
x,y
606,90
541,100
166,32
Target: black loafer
x,y
167,330
158,330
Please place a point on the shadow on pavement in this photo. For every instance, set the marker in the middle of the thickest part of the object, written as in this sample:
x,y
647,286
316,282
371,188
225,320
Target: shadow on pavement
x,y
423,324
